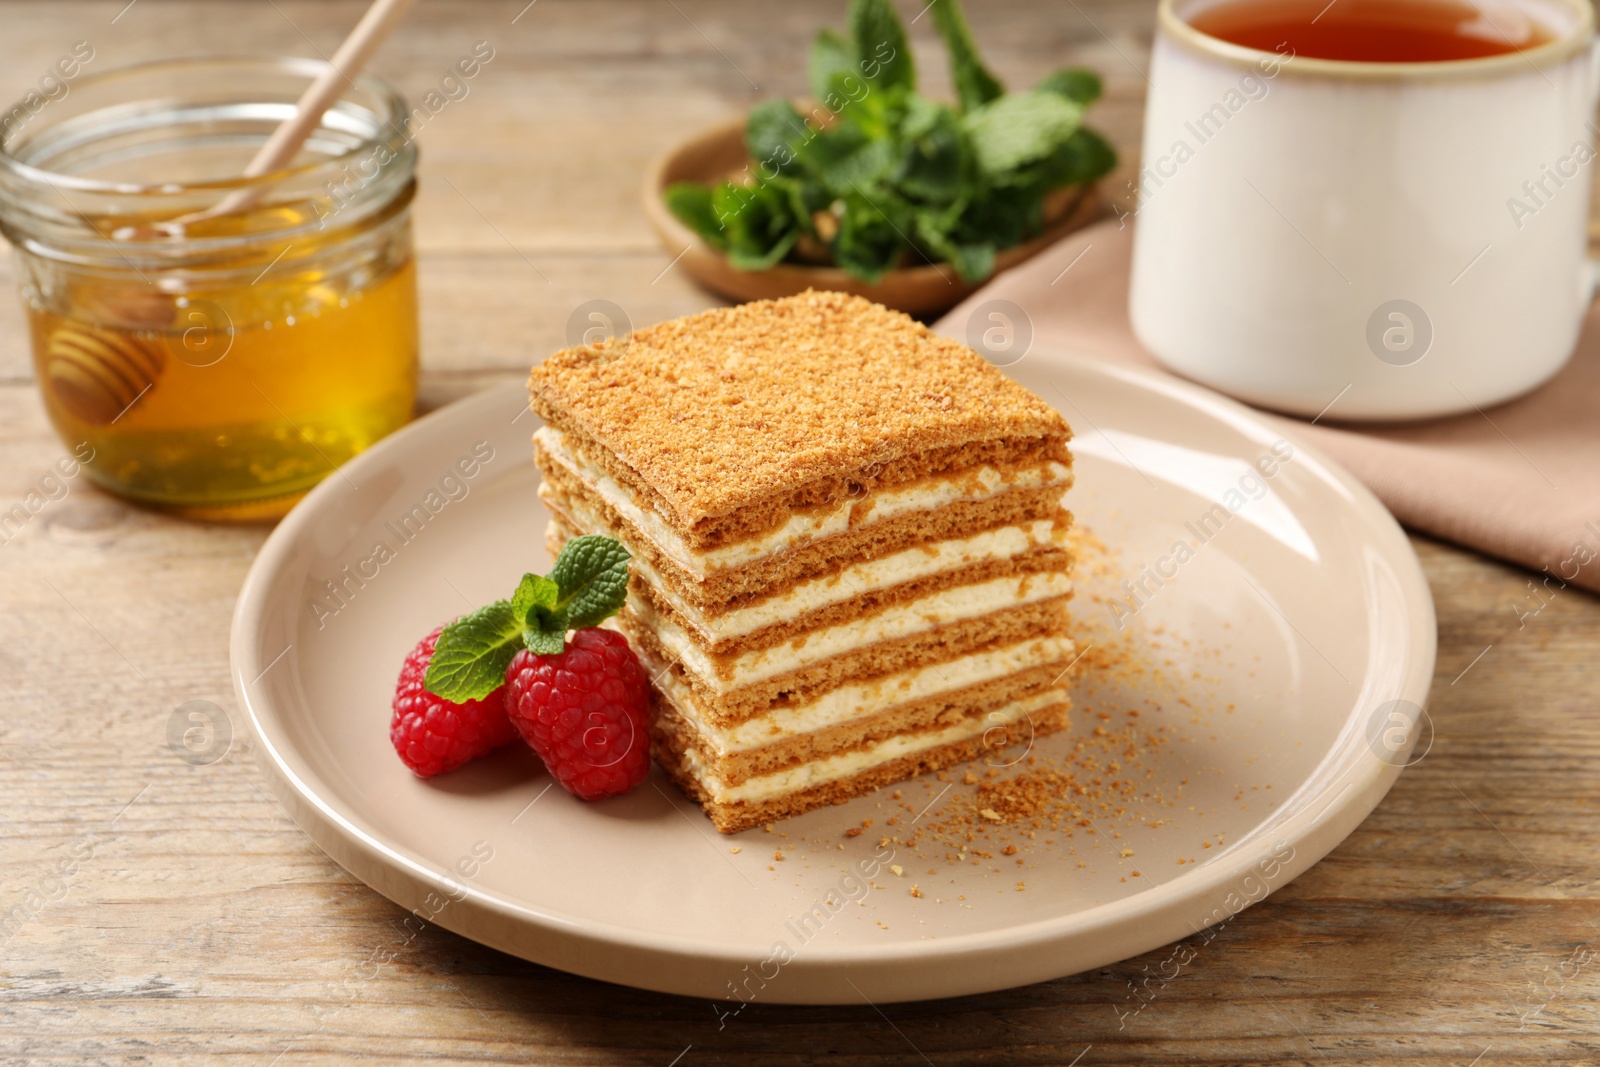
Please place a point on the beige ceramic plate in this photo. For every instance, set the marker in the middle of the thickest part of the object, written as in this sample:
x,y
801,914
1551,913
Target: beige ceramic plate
x,y
1300,636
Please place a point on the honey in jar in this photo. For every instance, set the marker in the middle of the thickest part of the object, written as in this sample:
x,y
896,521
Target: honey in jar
x,y
219,363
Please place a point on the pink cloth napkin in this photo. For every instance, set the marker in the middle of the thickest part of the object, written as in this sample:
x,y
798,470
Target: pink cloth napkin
x,y
1521,481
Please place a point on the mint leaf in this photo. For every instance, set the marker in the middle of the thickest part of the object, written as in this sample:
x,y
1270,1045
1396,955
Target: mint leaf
x,y
830,58
845,169
768,132
534,592
546,642
470,660
828,150
592,573
1084,157
690,203
975,86
1002,216
537,605
807,197
878,113
1020,128
882,52
920,117
1081,86
869,241
762,225
973,261
934,164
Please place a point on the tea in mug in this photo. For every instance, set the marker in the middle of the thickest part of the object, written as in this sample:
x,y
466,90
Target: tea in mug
x,y
1373,31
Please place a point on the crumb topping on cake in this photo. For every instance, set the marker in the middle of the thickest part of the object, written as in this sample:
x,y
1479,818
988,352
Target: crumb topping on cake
x,y
732,406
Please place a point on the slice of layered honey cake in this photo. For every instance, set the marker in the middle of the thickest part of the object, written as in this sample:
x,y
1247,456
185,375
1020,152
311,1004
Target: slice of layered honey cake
x,y
849,544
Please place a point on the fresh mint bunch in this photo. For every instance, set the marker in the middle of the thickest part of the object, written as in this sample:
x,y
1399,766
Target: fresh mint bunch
x,y
587,585
877,175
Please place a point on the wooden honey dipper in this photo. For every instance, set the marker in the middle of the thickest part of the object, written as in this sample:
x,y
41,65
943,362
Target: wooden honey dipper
x,y
98,374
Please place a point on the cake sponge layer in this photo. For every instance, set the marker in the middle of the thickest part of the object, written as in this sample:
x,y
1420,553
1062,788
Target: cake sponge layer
x,y
721,652
940,710
731,815
582,509
759,406
747,532
1045,618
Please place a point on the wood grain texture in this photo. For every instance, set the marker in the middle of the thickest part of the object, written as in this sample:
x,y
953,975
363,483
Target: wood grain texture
x,y
1456,926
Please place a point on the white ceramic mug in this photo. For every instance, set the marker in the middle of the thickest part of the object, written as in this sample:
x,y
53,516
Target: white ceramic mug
x,y
1365,240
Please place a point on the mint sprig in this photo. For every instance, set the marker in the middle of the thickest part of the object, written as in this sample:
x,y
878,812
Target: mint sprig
x,y
587,585
876,176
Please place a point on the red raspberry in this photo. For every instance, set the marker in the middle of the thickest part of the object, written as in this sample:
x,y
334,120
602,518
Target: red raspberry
x,y
583,711
434,735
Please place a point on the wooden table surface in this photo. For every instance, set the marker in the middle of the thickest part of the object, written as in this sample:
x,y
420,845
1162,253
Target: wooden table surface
x,y
1456,926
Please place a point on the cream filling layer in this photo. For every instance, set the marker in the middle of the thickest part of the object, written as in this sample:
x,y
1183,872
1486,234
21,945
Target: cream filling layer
x,y
849,703
899,620
855,580
849,764
809,526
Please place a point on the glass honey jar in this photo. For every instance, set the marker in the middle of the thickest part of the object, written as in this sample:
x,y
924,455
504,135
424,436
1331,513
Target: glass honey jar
x,y
218,344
